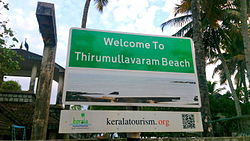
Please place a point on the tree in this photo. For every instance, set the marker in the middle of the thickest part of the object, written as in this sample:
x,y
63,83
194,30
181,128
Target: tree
x,y
213,12
189,21
232,59
245,34
215,38
8,62
99,5
228,76
8,58
200,63
10,86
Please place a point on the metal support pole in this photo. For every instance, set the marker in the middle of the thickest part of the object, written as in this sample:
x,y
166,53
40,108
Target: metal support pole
x,y
46,18
133,136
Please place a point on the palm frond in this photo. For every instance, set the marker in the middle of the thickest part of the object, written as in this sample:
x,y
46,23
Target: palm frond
x,y
218,90
185,29
100,4
184,7
178,21
217,69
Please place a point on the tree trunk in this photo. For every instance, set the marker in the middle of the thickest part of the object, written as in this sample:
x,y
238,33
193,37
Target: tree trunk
x,y
245,34
244,84
200,63
85,14
228,76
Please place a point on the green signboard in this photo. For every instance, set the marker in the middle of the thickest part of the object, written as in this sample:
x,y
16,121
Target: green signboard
x,y
110,50
114,68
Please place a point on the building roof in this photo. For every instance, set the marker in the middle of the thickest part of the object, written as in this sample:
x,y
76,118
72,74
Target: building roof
x,y
31,59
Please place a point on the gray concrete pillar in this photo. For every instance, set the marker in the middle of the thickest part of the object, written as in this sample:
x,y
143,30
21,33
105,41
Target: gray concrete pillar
x,y
60,88
33,78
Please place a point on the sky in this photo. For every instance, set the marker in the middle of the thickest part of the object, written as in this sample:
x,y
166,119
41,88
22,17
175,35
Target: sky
x,y
140,16
136,16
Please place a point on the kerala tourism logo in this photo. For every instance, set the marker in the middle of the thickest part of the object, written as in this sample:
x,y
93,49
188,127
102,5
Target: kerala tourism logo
x,y
80,123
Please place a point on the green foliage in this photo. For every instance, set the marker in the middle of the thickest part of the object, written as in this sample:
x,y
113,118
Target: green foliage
x,y
76,107
8,61
6,33
224,118
8,58
246,108
222,105
10,86
212,88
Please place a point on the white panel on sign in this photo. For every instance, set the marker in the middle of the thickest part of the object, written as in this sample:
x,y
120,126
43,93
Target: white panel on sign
x,y
129,121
